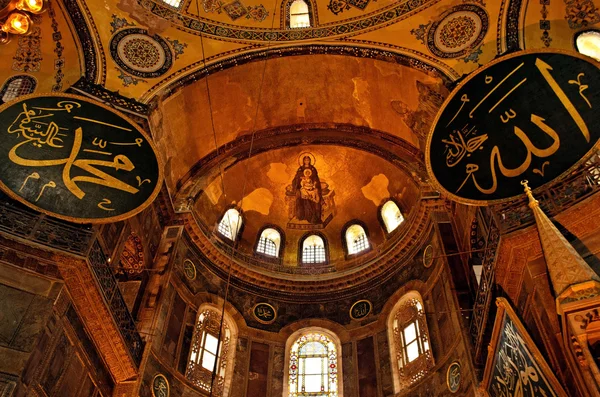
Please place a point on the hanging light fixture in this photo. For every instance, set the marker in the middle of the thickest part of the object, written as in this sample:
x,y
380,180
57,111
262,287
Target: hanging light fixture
x,y
17,23
32,6
16,18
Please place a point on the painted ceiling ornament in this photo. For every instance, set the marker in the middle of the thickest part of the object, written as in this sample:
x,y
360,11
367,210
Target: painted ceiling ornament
x,y
140,54
458,31
310,201
338,6
258,13
581,13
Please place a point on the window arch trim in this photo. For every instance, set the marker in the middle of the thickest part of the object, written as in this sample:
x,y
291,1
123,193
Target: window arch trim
x,y
312,330
419,367
312,14
224,389
30,79
301,249
382,221
238,236
345,242
281,243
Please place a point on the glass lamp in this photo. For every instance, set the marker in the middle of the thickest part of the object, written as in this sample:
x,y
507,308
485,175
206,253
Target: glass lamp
x,y
17,23
32,6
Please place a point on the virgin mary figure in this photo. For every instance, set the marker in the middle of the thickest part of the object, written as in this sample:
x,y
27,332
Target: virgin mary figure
x,y
307,189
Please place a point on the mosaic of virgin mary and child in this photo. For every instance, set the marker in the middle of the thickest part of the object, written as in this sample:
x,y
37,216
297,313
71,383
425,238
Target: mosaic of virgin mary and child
x,y
309,199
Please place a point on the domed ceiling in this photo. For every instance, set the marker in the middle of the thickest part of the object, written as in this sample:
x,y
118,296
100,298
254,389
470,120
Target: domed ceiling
x,y
355,185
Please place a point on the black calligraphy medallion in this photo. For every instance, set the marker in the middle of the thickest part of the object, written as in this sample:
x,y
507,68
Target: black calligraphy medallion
x,y
76,159
189,269
530,115
453,377
264,313
160,386
360,309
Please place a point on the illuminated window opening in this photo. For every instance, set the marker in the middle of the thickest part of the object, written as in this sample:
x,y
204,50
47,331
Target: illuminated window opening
x,y
230,224
588,43
173,3
391,215
313,250
411,353
206,351
269,243
313,366
356,239
299,16
17,86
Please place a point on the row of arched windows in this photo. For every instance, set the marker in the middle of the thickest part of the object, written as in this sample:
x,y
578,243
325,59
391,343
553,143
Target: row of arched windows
x,y
313,355
313,246
16,86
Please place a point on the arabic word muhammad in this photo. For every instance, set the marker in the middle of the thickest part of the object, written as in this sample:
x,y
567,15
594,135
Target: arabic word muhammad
x,y
515,371
453,377
160,386
532,115
264,312
75,159
360,309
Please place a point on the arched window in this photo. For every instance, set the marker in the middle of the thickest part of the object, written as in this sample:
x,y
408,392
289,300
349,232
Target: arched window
x,y
391,215
313,364
269,242
356,239
230,224
588,43
16,86
173,3
299,15
208,355
313,249
410,350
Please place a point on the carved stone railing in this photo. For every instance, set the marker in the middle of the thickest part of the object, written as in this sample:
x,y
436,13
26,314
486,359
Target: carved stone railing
x,y
20,221
577,186
114,300
484,296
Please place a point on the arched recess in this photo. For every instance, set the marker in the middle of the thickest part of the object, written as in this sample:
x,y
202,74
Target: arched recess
x,y
288,381
204,350
410,345
130,272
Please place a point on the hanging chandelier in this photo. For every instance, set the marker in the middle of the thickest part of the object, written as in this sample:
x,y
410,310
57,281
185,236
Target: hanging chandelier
x,y
15,17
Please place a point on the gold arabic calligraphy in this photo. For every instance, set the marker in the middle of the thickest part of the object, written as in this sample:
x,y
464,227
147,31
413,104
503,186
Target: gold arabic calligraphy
x,y
463,142
37,127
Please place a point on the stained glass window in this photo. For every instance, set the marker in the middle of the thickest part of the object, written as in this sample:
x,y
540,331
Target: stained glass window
x,y
391,215
356,239
411,341
299,16
206,351
230,224
269,242
313,250
313,367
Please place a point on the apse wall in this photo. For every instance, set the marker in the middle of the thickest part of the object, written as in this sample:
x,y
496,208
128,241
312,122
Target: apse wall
x,y
260,350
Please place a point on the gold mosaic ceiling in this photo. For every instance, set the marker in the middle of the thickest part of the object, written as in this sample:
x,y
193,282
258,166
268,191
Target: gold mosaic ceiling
x,y
454,37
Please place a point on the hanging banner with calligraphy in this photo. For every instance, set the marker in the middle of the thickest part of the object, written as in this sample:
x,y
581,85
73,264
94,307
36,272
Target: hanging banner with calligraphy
x,y
76,159
530,115
515,367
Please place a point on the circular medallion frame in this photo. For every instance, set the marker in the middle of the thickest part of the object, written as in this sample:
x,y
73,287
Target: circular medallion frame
x,y
189,270
351,311
257,318
455,93
131,42
454,377
428,256
446,37
166,382
68,100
